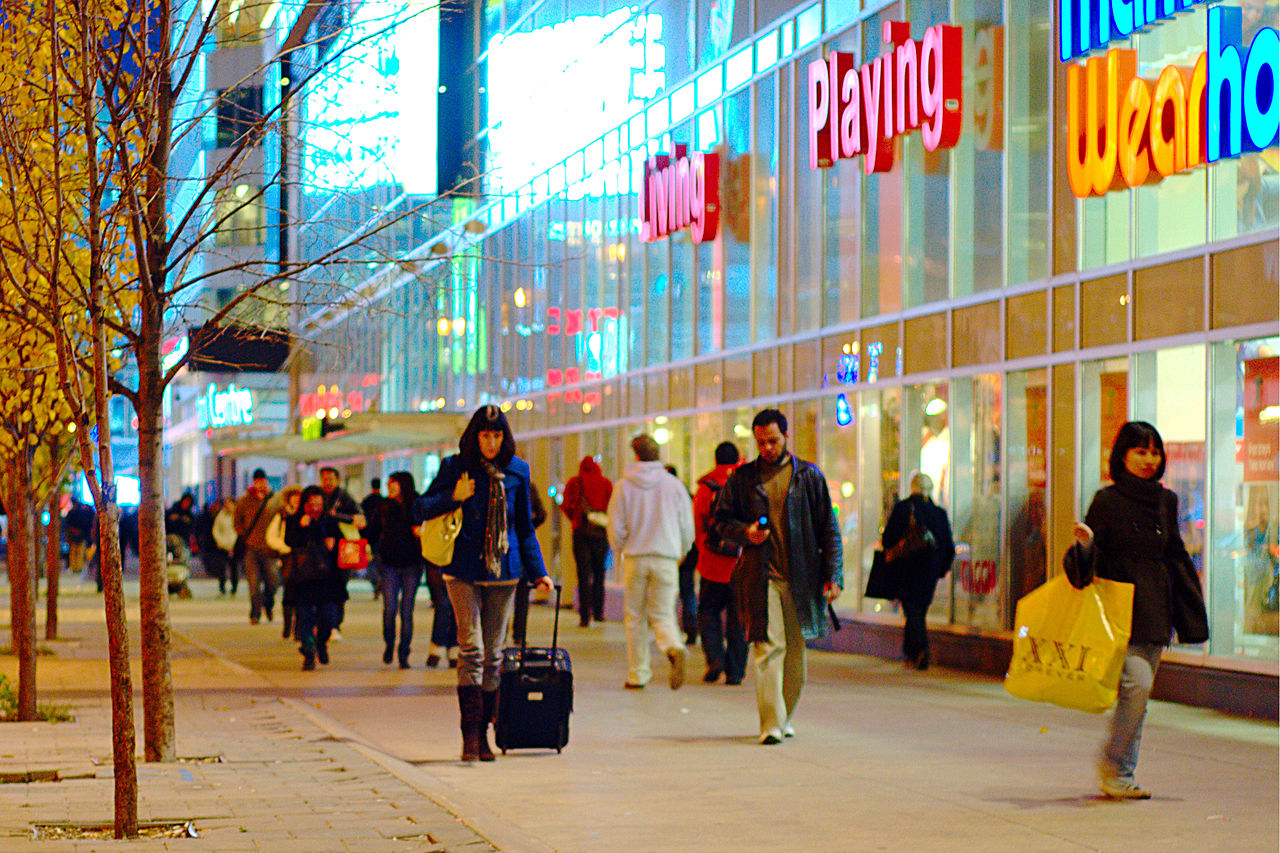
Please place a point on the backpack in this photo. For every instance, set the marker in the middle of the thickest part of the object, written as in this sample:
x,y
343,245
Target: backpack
x,y
714,542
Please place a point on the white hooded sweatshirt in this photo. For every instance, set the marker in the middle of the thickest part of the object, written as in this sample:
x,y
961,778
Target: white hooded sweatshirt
x,y
650,514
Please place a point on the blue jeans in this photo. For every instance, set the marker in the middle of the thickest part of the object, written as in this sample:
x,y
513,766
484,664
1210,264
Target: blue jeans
x,y
482,611
723,642
1121,748
399,592
315,622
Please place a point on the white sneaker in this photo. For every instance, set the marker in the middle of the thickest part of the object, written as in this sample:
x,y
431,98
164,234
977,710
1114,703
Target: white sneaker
x,y
335,636
771,738
787,731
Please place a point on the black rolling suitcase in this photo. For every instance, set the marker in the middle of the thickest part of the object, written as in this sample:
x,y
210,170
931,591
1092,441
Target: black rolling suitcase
x,y
535,695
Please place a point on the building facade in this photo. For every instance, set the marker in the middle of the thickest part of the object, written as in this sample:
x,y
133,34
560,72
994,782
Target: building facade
x,y
890,221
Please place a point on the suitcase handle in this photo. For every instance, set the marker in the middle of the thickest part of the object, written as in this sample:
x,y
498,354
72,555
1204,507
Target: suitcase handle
x,y
555,631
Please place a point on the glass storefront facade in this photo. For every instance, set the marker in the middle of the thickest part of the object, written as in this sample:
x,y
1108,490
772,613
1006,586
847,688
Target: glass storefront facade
x,y
961,312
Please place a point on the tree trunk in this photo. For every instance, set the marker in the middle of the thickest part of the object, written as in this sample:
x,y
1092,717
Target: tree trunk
x,y
153,594
123,741
52,566
22,606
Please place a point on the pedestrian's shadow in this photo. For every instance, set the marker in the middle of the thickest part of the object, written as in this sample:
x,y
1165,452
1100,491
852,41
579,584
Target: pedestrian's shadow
x,y
1082,801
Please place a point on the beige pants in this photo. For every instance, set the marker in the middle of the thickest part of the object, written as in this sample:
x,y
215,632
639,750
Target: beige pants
x,y
779,662
649,611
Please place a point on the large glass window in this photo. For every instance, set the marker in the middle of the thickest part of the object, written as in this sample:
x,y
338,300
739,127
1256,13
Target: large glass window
x,y
839,461
1024,100
1244,570
979,586
737,180
1027,444
878,418
882,197
806,213
764,212
841,202
241,216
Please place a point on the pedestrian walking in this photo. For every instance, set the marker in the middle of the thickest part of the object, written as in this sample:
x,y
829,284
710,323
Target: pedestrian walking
x,y
261,563
651,527
212,557
342,508
923,562
372,532
319,586
287,505
687,591
586,498
778,509
496,546
723,643
178,523
1130,533
401,564
79,529
224,540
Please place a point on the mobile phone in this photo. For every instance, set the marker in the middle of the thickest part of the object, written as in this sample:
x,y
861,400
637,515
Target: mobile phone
x,y
763,523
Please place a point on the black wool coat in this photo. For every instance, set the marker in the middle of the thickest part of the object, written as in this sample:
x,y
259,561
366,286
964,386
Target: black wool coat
x,y
1136,540
919,573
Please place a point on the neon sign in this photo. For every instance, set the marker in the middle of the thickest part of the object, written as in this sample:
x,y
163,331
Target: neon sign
x,y
680,193
1090,24
915,85
1135,131
233,407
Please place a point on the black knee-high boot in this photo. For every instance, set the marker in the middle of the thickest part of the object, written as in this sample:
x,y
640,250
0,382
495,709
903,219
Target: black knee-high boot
x,y
488,707
469,707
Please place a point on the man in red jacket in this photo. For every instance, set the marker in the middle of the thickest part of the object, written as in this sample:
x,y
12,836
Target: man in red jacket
x,y
588,492
723,641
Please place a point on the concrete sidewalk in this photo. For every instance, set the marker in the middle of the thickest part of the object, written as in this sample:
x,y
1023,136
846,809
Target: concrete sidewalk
x,y
361,756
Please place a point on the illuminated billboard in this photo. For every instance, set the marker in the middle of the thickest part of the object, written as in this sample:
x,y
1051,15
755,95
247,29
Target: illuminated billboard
x,y
369,116
581,77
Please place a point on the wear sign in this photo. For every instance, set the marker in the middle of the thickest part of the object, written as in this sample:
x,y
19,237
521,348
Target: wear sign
x,y
1261,420
1126,131
681,192
860,110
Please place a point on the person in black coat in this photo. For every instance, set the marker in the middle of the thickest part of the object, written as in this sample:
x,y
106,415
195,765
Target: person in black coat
x,y
319,586
918,574
1130,534
401,558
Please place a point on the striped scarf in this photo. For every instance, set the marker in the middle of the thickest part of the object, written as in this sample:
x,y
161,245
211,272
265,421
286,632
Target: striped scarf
x,y
495,528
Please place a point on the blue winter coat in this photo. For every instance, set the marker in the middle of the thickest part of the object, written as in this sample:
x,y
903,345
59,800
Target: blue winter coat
x,y
524,555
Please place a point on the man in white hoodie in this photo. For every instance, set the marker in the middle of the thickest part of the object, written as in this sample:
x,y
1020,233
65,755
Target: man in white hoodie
x,y
651,527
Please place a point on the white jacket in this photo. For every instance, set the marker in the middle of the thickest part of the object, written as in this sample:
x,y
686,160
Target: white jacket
x,y
650,514
275,534
224,529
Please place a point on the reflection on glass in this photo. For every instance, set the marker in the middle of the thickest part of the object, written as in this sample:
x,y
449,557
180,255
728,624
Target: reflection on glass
x,y
978,586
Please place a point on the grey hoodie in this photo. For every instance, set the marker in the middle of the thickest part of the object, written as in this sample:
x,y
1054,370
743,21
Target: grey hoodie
x,y
650,514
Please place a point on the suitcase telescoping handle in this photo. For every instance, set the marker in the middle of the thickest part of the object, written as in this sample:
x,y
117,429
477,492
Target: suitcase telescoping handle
x,y
555,631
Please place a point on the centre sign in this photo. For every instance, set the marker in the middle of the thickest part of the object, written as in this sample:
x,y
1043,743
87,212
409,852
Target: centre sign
x,y
860,110
233,407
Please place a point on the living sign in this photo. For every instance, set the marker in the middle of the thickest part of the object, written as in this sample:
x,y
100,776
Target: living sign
x,y
233,407
1127,131
861,110
680,192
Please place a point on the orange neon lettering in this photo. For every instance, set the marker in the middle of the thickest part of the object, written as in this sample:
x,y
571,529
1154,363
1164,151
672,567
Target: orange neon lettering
x,y
1168,122
1135,134
1196,107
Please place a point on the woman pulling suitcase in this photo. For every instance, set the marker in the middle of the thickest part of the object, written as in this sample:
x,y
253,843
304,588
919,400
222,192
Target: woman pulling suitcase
x,y
495,546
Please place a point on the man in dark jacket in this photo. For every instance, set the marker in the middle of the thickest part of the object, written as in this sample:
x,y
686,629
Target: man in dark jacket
x,y
373,532
778,509
918,571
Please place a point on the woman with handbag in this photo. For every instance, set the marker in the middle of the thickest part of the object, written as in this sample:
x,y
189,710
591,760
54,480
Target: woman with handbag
x,y
586,499
401,564
319,586
494,547
1130,534
918,550
290,502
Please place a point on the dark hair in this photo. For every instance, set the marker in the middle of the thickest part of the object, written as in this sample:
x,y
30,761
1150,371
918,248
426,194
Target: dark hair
x,y
727,453
258,474
645,447
307,494
487,419
770,416
1135,434
330,468
408,491
375,484
671,469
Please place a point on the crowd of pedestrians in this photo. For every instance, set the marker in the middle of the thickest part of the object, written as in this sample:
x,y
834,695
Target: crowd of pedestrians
x,y
760,537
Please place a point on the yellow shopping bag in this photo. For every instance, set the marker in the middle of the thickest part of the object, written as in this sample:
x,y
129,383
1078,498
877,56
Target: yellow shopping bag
x,y
1069,644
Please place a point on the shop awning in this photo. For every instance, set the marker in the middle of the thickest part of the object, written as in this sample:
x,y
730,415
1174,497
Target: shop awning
x,y
366,436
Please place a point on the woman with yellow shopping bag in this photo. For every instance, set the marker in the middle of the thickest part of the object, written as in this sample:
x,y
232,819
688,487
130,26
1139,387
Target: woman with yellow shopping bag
x,y
1130,534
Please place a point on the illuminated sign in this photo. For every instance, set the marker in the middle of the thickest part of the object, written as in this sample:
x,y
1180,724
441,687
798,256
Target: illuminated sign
x,y
1090,24
233,407
334,403
916,84
680,193
174,350
1135,131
